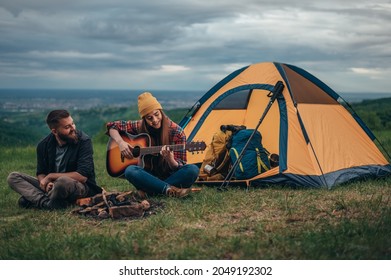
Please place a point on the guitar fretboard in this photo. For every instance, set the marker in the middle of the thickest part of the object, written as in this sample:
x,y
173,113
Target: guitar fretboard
x,y
156,149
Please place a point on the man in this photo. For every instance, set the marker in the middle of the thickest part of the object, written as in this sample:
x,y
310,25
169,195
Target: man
x,y
65,167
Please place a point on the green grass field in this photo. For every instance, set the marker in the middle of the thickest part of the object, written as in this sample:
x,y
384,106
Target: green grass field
x,y
348,222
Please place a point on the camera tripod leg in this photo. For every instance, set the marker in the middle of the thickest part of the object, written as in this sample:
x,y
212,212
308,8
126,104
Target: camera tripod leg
x,y
277,90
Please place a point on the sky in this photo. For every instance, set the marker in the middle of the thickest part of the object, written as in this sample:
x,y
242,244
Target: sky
x,y
191,45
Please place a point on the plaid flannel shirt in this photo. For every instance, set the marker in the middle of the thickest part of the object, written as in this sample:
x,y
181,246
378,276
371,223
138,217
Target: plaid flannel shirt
x,y
176,135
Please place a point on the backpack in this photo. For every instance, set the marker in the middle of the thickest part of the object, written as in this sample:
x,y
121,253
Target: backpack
x,y
254,160
216,163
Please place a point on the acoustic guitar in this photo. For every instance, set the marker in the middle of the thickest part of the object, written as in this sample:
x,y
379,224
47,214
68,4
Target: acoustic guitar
x,y
116,163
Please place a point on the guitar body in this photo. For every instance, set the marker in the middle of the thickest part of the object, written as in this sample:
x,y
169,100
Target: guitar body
x,y
116,163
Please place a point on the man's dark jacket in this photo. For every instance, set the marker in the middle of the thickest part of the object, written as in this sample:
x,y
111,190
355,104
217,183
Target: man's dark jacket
x,y
78,157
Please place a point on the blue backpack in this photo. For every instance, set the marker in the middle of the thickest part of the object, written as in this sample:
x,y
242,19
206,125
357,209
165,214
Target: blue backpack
x,y
254,160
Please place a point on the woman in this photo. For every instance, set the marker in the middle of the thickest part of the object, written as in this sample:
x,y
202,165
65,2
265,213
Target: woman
x,y
163,173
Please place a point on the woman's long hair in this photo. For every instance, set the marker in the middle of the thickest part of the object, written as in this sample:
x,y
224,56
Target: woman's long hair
x,y
162,169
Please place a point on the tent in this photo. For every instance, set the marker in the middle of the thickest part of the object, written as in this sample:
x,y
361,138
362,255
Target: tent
x,y
320,140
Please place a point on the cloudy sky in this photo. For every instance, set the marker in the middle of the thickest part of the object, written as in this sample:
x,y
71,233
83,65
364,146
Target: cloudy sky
x,y
189,44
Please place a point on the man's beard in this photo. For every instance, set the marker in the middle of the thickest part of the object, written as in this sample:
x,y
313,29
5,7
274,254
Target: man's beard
x,y
71,138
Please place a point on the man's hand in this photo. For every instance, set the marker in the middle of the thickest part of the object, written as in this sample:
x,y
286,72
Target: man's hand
x,y
49,187
46,183
43,183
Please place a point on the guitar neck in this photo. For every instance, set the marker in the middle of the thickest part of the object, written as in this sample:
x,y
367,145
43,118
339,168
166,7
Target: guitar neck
x,y
156,149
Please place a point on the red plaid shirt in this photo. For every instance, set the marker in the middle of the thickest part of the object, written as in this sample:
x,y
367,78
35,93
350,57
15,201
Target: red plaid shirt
x,y
176,135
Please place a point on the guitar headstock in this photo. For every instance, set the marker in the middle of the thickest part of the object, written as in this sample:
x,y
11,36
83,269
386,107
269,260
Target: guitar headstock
x,y
196,146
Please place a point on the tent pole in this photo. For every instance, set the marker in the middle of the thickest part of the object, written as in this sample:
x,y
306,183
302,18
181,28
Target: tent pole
x,y
277,90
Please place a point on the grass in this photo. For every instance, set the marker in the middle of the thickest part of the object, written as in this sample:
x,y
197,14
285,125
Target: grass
x,y
348,222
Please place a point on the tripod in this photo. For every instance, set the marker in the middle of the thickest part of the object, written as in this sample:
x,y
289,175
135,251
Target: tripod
x,y
277,90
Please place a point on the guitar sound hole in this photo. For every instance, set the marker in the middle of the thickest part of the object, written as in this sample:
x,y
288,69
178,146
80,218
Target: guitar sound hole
x,y
136,151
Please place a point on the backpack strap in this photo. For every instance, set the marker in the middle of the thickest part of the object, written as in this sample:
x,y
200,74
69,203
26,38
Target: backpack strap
x,y
260,162
224,162
237,156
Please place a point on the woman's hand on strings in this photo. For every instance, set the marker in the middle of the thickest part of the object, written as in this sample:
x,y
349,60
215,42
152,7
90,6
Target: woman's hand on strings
x,y
126,149
168,156
166,153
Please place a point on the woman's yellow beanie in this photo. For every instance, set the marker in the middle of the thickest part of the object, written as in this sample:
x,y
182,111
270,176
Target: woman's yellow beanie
x,y
147,103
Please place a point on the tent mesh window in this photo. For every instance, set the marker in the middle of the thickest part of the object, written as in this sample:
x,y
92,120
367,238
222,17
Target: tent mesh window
x,y
236,100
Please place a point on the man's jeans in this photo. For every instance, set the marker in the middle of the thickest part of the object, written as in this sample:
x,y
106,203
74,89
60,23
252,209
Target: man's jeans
x,y
142,180
64,191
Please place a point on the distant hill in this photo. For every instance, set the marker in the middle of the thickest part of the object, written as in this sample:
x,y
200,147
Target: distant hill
x,y
13,135
27,128
375,113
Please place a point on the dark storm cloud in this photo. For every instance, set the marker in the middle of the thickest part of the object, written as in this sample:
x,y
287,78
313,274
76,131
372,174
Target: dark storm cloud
x,y
190,44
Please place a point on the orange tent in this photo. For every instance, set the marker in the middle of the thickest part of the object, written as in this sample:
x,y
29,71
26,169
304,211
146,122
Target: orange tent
x,y
320,142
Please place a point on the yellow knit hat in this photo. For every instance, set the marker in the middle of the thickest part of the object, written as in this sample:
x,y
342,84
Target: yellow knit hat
x,y
147,103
